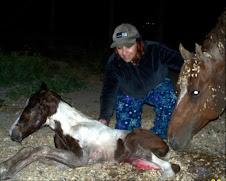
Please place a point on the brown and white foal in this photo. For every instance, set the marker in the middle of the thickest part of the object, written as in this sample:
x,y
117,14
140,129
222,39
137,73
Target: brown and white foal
x,y
80,140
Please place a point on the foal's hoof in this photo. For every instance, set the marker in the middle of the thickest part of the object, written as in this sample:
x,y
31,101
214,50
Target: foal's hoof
x,y
3,172
167,174
3,169
175,167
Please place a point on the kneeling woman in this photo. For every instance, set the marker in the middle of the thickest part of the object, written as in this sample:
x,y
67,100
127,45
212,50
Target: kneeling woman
x,y
137,74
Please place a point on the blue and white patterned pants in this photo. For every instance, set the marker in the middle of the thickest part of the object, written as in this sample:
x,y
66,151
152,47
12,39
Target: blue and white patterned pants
x,y
129,109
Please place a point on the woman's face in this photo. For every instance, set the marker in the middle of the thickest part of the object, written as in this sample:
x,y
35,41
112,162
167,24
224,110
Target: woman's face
x,y
127,53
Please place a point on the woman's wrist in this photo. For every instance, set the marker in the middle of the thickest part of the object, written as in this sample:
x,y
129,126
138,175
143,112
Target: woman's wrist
x,y
103,121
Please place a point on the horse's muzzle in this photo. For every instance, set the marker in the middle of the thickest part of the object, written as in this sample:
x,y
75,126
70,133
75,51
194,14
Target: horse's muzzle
x,y
16,135
176,145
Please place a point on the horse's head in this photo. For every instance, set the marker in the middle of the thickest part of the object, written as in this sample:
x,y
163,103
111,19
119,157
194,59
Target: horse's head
x,y
201,93
201,87
38,107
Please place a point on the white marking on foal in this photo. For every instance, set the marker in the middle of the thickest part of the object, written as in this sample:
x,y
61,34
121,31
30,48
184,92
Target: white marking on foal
x,y
67,116
165,167
91,133
14,124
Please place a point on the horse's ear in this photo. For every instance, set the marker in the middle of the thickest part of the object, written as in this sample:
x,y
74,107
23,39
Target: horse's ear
x,y
185,53
205,58
206,62
43,86
198,51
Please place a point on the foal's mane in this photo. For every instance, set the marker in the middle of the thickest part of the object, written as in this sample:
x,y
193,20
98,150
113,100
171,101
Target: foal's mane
x,y
44,88
59,97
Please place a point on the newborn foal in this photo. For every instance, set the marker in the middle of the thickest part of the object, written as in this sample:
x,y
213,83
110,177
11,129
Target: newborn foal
x,y
80,140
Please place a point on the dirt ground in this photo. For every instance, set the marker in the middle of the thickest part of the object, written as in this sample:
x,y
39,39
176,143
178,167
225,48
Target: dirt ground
x,y
203,161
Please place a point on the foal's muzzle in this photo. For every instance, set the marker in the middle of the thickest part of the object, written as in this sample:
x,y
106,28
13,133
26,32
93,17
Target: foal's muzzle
x,y
16,135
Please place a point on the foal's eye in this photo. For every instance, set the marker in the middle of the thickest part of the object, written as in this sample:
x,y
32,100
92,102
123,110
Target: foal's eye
x,y
41,106
28,111
195,93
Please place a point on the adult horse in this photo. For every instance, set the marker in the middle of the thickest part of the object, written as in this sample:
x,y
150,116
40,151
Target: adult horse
x,y
80,140
201,88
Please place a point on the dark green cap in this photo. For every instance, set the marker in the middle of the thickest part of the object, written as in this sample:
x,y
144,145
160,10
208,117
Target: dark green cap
x,y
124,35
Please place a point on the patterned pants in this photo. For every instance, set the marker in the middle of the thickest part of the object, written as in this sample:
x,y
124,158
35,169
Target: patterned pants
x,y
129,109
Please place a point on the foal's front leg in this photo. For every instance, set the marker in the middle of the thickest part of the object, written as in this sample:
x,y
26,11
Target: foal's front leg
x,y
53,156
7,165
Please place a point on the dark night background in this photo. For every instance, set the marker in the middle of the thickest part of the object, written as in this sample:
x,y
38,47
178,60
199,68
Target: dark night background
x,y
51,26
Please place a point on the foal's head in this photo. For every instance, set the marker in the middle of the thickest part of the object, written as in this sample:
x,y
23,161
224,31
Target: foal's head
x,y
38,107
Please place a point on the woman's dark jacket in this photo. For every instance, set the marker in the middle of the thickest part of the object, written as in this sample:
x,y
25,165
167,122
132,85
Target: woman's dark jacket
x,y
136,81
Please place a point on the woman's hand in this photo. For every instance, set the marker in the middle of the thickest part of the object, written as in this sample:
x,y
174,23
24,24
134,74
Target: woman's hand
x,y
103,121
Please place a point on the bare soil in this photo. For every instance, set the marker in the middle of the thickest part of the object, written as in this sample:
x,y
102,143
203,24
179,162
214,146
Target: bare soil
x,y
204,159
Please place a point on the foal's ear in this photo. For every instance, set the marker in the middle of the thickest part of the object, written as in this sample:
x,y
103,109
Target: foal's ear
x,y
43,86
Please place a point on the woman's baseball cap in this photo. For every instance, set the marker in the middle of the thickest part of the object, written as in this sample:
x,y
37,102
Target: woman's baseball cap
x,y
124,35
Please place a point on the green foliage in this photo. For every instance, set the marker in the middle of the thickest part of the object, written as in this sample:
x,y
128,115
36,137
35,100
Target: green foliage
x,y
24,74
92,58
16,68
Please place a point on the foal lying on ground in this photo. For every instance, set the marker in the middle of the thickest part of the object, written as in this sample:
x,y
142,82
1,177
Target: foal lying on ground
x,y
80,140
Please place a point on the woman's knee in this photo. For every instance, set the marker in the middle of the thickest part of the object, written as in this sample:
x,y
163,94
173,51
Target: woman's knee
x,y
128,112
165,96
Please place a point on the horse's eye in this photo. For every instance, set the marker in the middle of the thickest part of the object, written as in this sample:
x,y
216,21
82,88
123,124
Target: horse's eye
x,y
41,106
195,93
28,111
177,91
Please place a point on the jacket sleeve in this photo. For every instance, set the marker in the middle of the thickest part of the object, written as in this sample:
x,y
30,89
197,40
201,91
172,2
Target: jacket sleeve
x,y
109,91
170,58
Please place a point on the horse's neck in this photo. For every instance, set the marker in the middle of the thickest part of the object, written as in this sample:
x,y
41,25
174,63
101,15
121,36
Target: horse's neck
x,y
215,42
67,115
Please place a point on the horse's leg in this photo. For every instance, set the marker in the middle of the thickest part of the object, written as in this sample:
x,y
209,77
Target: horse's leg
x,y
123,154
53,156
53,163
149,141
59,142
66,142
6,165
169,169
146,145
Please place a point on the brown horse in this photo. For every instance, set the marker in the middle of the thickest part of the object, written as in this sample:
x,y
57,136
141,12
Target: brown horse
x,y
80,140
201,88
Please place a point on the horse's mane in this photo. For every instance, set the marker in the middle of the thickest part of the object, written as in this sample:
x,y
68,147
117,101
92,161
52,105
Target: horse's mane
x,y
216,37
59,97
